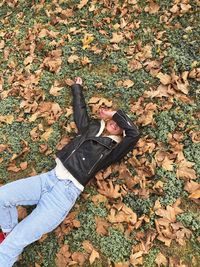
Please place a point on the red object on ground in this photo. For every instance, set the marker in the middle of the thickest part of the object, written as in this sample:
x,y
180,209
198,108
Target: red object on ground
x,y
2,237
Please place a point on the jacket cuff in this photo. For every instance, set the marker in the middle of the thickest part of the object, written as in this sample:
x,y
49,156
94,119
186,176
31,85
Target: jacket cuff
x,y
124,122
76,86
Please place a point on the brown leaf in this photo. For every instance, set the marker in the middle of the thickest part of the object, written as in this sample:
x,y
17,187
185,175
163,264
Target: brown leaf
x,y
128,83
55,90
195,194
7,119
72,58
69,82
22,212
23,165
79,257
101,226
170,213
2,44
161,260
165,240
152,8
13,168
85,61
110,190
98,199
134,65
47,134
76,223
87,245
63,256
136,258
191,186
164,78
82,4
116,37
122,264
93,256
185,171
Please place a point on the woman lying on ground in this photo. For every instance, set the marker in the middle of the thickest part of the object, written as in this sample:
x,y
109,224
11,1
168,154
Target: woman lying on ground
x,y
98,144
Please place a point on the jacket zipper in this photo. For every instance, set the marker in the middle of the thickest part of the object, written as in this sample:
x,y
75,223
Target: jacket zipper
x,y
74,151
95,164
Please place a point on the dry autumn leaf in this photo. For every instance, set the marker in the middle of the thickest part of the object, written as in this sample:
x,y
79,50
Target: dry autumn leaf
x,y
82,4
94,255
72,58
116,37
87,40
161,260
164,78
195,194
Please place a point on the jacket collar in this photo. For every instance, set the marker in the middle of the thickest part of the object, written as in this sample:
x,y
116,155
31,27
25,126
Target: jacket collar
x,y
116,138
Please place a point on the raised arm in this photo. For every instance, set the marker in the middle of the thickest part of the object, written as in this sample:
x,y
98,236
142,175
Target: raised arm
x,y
131,133
81,117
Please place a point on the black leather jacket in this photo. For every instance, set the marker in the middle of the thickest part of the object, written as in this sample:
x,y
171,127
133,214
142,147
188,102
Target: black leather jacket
x,y
86,154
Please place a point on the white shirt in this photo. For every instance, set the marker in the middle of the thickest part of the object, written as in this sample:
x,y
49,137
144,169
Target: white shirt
x,y
62,173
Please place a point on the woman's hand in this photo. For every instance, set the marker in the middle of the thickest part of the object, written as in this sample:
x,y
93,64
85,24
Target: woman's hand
x,y
106,114
78,80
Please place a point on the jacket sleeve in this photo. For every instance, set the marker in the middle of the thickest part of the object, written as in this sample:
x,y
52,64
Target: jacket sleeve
x,y
132,135
81,117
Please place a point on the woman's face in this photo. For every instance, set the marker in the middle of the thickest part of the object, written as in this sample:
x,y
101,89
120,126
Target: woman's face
x,y
113,128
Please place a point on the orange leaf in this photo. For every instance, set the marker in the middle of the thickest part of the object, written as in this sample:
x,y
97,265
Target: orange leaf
x,y
195,194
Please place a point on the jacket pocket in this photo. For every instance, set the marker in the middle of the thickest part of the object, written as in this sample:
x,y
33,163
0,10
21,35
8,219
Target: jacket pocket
x,y
95,164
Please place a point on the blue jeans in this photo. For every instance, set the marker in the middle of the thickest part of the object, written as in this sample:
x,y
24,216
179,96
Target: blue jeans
x,y
54,199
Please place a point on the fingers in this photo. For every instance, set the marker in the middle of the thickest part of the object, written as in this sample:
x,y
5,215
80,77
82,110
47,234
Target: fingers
x,y
78,80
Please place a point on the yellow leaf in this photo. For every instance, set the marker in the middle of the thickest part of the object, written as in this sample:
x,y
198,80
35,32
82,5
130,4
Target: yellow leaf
x,y
47,134
88,39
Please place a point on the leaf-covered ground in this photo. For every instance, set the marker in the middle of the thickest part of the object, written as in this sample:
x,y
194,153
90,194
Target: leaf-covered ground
x,y
142,56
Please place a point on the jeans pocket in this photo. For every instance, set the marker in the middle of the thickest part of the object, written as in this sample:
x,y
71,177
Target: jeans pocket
x,y
50,180
71,192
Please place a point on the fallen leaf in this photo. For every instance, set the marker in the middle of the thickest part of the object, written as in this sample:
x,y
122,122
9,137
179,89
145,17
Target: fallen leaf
x,y
87,40
195,194
161,260
164,78
72,58
47,134
82,4
87,245
94,255
7,119
116,37
128,83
